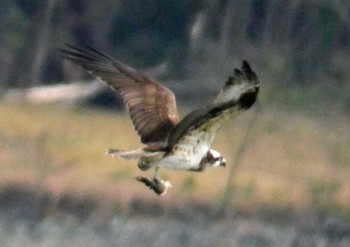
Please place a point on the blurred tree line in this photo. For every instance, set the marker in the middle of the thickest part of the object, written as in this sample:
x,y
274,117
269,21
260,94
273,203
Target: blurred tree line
x,y
301,42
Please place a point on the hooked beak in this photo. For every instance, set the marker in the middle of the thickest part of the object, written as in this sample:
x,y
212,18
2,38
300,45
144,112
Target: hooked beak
x,y
223,162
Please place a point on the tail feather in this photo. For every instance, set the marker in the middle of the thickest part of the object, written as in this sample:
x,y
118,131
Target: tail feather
x,y
132,154
129,155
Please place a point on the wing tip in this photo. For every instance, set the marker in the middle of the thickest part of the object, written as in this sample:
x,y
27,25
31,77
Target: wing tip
x,y
85,53
246,66
247,70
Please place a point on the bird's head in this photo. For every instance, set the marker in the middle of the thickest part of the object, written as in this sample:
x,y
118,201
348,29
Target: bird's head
x,y
215,159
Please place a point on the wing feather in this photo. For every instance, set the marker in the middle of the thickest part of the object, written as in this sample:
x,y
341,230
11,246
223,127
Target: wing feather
x,y
152,107
239,93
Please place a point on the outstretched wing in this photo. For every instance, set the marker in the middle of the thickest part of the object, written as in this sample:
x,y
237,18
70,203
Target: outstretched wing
x,y
152,107
239,93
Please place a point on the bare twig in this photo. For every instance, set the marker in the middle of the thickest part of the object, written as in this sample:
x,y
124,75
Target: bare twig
x,y
237,158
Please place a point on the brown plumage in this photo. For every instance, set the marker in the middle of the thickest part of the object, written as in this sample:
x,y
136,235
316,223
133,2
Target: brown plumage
x,y
152,107
170,143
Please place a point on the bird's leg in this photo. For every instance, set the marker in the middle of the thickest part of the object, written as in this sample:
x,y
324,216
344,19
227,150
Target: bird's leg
x,y
156,172
149,160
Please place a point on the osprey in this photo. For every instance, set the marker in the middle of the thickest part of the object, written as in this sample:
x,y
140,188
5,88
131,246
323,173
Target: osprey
x,y
169,142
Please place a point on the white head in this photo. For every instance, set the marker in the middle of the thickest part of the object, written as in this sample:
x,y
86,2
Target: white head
x,y
215,159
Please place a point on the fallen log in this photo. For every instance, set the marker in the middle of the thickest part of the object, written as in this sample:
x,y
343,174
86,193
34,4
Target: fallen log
x,y
70,95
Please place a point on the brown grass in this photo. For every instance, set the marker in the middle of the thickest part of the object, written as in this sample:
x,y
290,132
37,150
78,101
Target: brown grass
x,y
291,161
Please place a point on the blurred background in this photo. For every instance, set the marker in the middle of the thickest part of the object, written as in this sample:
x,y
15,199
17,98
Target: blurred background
x,y
287,179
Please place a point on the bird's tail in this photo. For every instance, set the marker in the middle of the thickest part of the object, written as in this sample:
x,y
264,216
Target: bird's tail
x,y
131,154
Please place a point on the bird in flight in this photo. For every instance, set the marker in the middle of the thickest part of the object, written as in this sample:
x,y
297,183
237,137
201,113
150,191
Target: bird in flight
x,y
169,142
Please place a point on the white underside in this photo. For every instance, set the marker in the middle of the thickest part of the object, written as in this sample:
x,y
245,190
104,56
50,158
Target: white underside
x,y
188,153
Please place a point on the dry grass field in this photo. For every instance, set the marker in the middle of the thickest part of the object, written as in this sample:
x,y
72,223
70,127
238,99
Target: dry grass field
x,y
289,183
291,161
